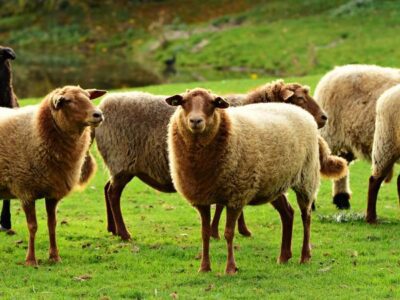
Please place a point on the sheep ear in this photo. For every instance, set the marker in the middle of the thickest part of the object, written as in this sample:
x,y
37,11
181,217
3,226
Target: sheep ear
x,y
174,100
95,93
58,102
286,94
221,102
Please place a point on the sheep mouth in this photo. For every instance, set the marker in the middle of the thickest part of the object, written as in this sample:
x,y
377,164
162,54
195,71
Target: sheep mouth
x,y
94,123
8,53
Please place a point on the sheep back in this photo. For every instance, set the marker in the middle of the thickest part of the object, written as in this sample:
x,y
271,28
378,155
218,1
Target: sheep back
x,y
132,138
386,146
348,94
263,150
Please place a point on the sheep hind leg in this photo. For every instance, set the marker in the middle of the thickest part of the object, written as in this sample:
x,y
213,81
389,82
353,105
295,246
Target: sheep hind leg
x,y
232,215
51,206
215,222
30,213
115,189
205,214
5,219
304,202
341,187
242,227
110,217
398,187
286,213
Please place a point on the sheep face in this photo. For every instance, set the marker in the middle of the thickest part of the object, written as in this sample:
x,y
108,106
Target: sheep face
x,y
73,109
6,53
198,108
299,95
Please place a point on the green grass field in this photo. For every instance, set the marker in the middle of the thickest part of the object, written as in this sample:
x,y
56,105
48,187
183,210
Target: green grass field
x,y
350,259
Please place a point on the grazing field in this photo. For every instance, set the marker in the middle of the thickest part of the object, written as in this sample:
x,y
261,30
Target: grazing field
x,y
350,258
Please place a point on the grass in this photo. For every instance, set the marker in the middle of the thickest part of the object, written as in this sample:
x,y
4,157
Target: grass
x,y
350,259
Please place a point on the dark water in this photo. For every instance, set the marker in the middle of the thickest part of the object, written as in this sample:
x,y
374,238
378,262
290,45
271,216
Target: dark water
x,y
36,75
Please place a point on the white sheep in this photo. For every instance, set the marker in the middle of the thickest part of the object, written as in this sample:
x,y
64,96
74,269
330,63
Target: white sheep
x,y
243,156
386,146
349,94
43,156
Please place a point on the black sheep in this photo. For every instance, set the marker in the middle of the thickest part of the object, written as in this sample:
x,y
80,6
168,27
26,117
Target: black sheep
x,y
7,99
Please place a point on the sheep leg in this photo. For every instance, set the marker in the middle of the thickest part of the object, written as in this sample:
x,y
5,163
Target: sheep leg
x,y
341,187
232,215
110,217
215,222
30,213
373,189
242,227
117,185
51,206
398,186
5,220
304,202
286,213
205,214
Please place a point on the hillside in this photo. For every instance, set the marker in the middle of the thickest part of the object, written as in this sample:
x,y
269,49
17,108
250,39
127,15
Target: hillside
x,y
125,43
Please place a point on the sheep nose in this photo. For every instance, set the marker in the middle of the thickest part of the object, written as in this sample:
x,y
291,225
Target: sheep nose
x,y
324,117
195,121
98,115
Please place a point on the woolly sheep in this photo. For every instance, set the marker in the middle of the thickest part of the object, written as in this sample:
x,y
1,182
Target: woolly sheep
x,y
7,99
349,94
243,155
386,145
44,155
132,142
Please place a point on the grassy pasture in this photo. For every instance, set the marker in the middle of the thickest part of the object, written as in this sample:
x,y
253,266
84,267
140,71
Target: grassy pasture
x,y
350,259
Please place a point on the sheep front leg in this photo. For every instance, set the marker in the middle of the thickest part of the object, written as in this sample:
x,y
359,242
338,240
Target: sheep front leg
x,y
51,206
205,214
286,213
110,218
30,213
215,222
232,215
304,200
115,189
398,186
341,187
5,219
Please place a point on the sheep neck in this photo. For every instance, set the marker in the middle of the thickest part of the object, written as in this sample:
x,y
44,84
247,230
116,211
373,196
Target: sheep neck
x,y
200,159
63,146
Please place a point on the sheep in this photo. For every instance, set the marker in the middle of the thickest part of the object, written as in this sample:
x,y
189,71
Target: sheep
x,y
241,156
132,142
44,155
349,94
7,99
386,146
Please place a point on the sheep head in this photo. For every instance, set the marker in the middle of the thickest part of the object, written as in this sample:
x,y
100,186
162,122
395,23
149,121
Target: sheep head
x,y
198,108
73,109
6,53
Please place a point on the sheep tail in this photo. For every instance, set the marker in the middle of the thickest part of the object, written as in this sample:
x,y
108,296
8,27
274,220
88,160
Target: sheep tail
x,y
332,166
89,166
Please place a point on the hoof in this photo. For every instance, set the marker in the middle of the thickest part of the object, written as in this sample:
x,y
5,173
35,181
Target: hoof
x,y
232,270
55,258
215,234
245,232
31,263
371,220
125,236
112,230
305,259
342,200
283,259
205,269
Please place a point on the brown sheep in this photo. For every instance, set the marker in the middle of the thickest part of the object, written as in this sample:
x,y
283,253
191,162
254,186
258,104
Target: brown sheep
x,y
132,142
239,156
44,155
